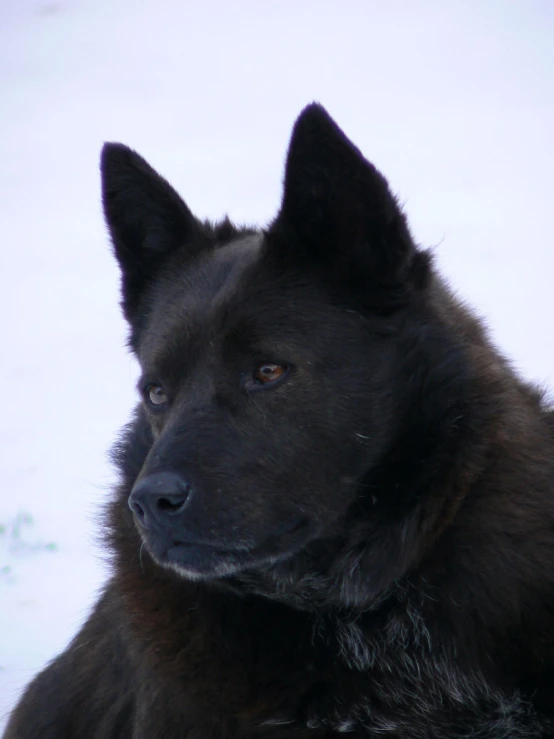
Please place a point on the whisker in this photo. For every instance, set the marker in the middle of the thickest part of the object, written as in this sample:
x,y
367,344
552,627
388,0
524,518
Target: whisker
x,y
140,557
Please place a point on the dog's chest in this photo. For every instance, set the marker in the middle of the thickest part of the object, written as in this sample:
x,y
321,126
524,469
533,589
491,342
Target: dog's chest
x,y
395,684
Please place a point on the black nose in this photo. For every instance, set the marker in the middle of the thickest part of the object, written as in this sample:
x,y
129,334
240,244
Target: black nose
x,y
157,497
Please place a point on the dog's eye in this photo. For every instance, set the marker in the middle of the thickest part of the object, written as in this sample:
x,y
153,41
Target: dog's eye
x,y
156,395
265,373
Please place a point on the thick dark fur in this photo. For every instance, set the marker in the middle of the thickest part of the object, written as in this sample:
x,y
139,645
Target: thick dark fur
x,y
368,544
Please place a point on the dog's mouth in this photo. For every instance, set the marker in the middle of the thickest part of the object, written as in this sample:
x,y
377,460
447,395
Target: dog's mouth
x,y
200,560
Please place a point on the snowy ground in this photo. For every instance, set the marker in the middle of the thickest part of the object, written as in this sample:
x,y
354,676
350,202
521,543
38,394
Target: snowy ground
x,y
453,100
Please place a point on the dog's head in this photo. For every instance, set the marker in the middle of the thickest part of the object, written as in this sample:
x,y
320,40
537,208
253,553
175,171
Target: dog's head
x,y
279,369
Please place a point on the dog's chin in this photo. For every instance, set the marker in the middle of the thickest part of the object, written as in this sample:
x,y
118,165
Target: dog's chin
x,y
202,561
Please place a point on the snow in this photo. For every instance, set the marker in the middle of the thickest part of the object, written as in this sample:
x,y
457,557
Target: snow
x,y
453,101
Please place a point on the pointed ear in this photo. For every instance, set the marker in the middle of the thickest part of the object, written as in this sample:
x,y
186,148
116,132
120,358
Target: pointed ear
x,y
337,209
146,219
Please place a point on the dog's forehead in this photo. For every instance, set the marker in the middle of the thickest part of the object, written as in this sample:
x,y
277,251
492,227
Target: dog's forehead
x,y
226,264
192,293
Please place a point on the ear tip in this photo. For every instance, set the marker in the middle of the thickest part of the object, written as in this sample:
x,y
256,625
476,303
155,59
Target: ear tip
x,y
314,108
114,154
313,113
315,129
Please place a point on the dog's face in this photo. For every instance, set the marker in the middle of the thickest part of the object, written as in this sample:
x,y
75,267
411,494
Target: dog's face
x,y
262,407
270,361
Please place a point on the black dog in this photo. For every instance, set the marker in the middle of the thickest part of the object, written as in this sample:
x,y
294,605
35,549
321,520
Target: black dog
x,y
336,510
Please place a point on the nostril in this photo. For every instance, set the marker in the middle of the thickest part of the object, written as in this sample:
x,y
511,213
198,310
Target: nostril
x,y
171,504
157,497
137,509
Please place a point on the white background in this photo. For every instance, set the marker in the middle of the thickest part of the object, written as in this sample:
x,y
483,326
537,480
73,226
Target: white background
x,y
453,100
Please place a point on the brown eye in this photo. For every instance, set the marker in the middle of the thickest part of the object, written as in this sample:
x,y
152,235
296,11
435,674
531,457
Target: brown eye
x,y
266,372
156,395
